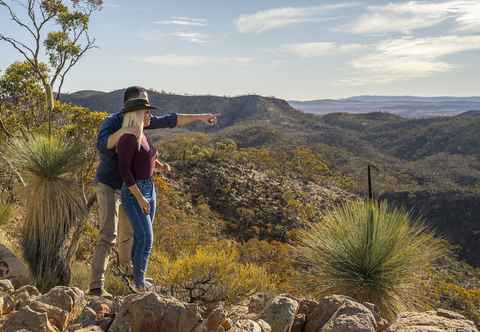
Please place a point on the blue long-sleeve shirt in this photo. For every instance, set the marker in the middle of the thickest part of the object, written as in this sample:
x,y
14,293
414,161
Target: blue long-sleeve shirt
x,y
107,170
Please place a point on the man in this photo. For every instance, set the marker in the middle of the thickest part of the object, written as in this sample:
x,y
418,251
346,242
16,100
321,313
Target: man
x,y
109,181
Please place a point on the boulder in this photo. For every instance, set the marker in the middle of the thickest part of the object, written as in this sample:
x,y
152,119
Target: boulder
x,y
27,319
56,316
87,317
6,286
264,325
6,304
306,306
29,289
280,313
246,325
152,312
102,306
13,269
432,321
299,323
258,302
351,316
69,299
321,313
24,295
213,322
91,328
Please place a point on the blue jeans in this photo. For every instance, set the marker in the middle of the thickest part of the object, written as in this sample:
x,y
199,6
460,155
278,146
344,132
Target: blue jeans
x,y
142,227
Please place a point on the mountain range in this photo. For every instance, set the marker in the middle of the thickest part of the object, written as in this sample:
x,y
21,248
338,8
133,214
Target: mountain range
x,y
405,106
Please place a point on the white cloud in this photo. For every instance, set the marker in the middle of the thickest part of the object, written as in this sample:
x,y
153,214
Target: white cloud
x,y
184,21
190,36
173,60
408,58
315,49
193,37
413,15
281,17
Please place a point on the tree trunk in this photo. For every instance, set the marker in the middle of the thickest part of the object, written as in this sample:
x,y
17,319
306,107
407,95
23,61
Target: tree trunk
x,y
50,105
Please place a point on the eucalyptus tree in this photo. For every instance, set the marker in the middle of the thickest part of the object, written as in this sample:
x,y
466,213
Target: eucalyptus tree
x,y
55,33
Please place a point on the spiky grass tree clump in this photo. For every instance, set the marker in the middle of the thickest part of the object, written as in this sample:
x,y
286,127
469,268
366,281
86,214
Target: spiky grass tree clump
x,y
54,205
371,252
5,210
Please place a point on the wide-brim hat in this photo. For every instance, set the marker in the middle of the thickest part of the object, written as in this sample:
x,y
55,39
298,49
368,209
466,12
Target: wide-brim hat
x,y
138,100
136,105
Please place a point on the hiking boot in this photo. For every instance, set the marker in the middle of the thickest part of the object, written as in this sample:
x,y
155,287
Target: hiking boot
x,y
100,292
142,289
127,269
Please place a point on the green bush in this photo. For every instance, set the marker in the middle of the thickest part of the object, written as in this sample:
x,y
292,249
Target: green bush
x,y
371,252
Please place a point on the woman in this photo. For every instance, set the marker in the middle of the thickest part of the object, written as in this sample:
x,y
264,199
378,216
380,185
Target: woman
x,y
136,160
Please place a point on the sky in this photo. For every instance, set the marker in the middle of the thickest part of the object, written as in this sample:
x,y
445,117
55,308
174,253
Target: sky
x,y
302,49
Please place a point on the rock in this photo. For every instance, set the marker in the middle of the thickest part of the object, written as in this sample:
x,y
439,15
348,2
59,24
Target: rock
x,y
227,324
21,298
6,286
91,328
151,312
306,306
351,316
258,301
87,317
102,306
69,299
382,325
29,320
55,315
299,323
29,289
13,269
280,313
24,295
321,313
6,304
432,321
264,325
245,325
213,322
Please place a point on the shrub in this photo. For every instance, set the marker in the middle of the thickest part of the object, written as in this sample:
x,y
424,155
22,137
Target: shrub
x,y
371,252
212,273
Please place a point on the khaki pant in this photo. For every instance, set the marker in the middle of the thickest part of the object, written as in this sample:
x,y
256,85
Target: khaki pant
x,y
111,217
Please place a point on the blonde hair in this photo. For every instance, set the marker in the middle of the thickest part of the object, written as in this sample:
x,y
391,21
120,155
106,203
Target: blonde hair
x,y
134,120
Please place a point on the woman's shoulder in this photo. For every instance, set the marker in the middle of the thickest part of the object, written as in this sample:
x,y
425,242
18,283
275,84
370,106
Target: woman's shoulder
x,y
127,139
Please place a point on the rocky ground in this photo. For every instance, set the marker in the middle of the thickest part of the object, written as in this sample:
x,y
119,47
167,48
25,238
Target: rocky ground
x,y
69,309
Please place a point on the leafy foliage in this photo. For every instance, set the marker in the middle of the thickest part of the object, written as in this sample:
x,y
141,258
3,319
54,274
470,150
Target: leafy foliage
x,y
370,251
212,273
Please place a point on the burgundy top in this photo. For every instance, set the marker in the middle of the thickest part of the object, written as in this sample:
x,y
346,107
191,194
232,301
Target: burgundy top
x,y
134,164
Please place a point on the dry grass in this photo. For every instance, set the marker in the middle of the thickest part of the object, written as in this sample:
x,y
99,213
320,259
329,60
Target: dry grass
x,y
371,252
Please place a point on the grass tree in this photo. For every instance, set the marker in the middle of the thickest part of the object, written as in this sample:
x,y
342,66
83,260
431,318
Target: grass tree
x,y
371,252
55,205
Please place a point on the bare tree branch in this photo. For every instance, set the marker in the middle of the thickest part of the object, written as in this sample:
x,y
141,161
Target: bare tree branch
x,y
15,18
90,45
19,46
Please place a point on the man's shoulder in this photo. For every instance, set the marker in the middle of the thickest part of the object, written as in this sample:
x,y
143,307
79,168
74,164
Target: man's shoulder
x,y
113,119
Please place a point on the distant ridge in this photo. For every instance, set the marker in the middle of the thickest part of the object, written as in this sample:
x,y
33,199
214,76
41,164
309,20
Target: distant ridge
x,y
405,106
